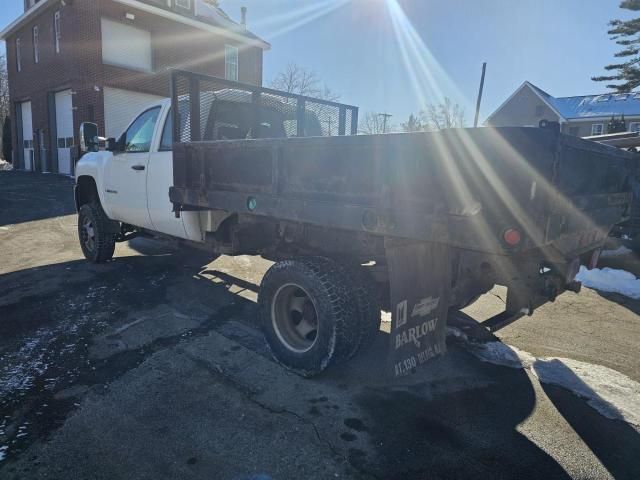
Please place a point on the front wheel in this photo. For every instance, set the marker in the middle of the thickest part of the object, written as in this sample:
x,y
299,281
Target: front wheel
x,y
96,242
308,315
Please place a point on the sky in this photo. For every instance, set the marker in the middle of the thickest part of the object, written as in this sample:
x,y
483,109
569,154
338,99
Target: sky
x,y
396,56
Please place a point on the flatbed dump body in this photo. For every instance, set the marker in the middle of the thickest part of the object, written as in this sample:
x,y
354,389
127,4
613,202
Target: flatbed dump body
x,y
462,187
434,218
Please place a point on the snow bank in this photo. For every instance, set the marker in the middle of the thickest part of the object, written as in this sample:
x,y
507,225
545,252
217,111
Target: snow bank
x,y
610,280
611,393
4,165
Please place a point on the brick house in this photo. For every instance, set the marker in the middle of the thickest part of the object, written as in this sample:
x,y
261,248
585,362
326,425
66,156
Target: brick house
x,y
71,61
581,115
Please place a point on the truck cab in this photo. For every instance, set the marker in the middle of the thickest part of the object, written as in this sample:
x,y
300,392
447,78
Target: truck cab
x,y
128,183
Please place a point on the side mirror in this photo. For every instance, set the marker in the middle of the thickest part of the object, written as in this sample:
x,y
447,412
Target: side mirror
x,y
111,144
89,141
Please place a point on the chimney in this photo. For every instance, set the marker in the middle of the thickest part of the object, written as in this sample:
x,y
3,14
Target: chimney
x,y
243,16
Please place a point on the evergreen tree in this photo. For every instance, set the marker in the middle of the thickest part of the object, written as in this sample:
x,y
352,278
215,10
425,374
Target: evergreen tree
x,y
413,124
626,34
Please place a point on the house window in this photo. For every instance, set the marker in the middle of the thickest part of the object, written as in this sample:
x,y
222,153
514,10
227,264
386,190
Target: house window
x,y
231,62
597,129
186,4
539,110
57,30
18,55
36,53
634,127
126,46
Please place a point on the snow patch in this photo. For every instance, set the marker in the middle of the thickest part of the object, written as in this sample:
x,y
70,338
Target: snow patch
x,y
610,280
611,393
618,252
4,165
3,452
500,354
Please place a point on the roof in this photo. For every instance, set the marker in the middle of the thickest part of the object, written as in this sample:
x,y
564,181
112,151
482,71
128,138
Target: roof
x,y
213,20
585,106
601,105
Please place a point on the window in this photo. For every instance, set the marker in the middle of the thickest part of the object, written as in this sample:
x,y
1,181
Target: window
x,y
36,53
166,143
126,46
235,121
539,110
231,62
186,4
597,129
634,127
56,30
18,55
138,136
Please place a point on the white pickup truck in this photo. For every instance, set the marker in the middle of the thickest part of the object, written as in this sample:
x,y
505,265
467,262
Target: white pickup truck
x,y
415,223
125,189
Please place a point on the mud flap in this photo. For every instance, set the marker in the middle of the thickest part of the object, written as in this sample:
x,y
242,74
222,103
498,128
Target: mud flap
x,y
420,284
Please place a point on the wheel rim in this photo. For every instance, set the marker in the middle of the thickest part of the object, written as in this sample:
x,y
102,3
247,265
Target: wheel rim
x,y
88,234
294,318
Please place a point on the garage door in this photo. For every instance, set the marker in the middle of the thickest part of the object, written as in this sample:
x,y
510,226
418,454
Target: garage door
x,y
120,107
64,128
27,135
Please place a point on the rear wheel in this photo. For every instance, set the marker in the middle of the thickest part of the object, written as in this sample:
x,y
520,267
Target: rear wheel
x,y
367,300
96,242
308,316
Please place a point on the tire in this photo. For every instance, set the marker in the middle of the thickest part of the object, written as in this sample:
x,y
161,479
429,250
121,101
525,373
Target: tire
x,y
368,306
96,242
308,315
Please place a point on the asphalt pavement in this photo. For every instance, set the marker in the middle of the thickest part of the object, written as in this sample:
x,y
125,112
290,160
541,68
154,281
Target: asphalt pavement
x,y
152,366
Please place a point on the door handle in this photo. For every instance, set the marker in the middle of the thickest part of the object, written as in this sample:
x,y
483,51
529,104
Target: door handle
x,y
138,167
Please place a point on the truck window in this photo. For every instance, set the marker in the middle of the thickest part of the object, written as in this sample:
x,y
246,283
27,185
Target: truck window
x,y
166,142
236,121
138,136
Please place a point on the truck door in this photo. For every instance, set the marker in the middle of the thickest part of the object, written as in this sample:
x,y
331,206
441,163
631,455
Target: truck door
x,y
126,190
159,180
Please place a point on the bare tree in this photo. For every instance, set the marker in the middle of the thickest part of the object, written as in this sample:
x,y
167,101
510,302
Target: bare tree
x,y
4,98
373,123
302,81
4,88
413,124
436,117
443,115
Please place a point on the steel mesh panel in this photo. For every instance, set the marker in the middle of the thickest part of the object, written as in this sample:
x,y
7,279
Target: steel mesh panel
x,y
210,108
348,121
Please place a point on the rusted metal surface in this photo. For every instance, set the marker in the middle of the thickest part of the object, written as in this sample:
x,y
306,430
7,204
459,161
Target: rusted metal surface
x,y
461,187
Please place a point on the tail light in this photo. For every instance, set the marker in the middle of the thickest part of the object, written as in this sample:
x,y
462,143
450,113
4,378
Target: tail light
x,y
512,237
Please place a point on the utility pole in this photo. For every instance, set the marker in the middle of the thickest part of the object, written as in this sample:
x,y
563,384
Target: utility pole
x,y
484,69
384,116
